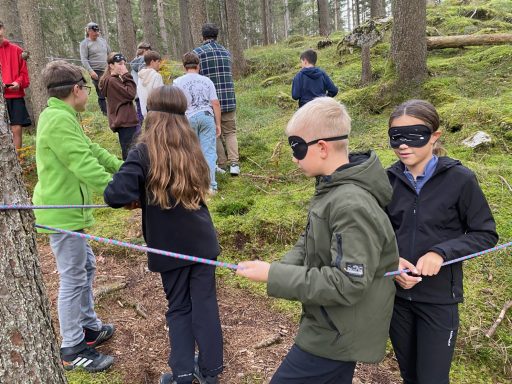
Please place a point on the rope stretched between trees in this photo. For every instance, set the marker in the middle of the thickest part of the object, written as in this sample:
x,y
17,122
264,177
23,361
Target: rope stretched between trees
x,y
21,206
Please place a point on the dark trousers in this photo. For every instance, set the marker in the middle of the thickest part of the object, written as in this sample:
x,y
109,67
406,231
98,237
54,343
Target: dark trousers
x,y
127,136
423,337
300,367
193,317
101,98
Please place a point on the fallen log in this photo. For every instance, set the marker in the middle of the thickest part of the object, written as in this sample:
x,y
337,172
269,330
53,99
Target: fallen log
x,y
440,42
500,318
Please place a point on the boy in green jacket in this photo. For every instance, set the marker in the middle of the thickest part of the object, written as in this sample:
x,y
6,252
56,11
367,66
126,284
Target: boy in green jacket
x,y
69,168
336,269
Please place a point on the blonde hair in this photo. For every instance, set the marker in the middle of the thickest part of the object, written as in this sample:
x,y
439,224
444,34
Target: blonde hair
x,y
177,167
321,118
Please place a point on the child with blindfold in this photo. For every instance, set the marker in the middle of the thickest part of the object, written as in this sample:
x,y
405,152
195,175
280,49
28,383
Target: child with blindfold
x,y
120,90
439,213
336,269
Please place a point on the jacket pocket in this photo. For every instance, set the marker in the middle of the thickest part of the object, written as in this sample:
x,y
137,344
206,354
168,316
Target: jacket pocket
x,y
339,253
330,323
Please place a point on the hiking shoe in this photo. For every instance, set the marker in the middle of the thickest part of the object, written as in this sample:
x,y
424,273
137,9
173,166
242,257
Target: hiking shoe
x,y
95,338
219,170
167,378
198,376
234,169
87,358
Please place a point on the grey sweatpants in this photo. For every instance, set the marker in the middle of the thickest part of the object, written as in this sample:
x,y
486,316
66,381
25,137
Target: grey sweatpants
x,y
76,264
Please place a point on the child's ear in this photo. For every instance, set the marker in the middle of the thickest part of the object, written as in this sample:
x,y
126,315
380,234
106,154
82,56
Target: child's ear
x,y
435,136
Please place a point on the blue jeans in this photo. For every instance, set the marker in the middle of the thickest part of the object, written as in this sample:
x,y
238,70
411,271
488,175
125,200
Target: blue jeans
x,y
76,264
203,125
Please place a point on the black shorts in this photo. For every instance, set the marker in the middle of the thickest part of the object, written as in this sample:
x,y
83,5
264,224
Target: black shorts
x,y
18,114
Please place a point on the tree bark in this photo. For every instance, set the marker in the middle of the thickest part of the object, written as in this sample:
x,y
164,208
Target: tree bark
x,y
323,17
286,19
100,5
163,26
350,18
32,32
378,9
186,36
437,42
197,14
125,28
148,23
266,22
366,67
408,42
9,16
234,35
28,349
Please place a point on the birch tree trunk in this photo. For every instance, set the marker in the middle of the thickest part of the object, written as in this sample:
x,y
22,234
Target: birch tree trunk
x,y
148,23
163,26
234,36
28,350
32,31
197,15
408,42
125,28
323,17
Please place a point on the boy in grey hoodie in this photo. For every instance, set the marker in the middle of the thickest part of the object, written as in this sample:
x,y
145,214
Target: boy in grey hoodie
x,y
149,78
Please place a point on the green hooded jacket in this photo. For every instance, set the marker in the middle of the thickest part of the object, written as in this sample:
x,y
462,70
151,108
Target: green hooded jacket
x,y
336,269
69,168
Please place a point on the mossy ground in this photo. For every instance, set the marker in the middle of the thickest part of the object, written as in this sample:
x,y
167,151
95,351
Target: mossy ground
x,y
261,213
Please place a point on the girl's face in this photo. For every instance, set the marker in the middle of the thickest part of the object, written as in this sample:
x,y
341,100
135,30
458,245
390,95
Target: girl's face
x,y
118,68
414,158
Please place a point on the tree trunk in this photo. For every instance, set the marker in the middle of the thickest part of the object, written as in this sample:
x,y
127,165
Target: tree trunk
x,y
148,23
350,18
222,16
28,349
437,42
186,36
266,22
357,13
408,42
197,14
377,9
9,16
336,15
163,26
366,67
100,4
286,19
234,35
125,28
323,17
32,32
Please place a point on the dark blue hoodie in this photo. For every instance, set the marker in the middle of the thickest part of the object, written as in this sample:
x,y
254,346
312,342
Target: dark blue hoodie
x,y
312,82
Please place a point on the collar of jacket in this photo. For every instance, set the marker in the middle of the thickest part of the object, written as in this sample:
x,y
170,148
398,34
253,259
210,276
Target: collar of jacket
x,y
444,163
55,102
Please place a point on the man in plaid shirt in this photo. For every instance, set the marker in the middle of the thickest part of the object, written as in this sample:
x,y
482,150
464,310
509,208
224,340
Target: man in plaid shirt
x,y
215,63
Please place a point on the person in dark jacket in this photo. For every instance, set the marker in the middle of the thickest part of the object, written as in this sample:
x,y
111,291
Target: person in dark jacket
x,y
120,90
336,269
168,174
439,213
311,81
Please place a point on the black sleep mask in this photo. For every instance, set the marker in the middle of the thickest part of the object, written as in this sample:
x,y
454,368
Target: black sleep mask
x,y
411,135
300,147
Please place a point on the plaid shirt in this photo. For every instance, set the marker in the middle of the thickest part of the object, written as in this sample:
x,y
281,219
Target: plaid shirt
x,y
215,63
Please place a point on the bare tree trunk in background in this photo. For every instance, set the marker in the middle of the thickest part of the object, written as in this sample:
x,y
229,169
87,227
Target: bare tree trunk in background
x,y
357,13
125,28
197,14
9,16
266,22
350,16
234,36
223,19
366,68
323,17
100,5
148,23
336,15
286,19
163,27
186,36
378,9
28,349
408,42
32,33
91,11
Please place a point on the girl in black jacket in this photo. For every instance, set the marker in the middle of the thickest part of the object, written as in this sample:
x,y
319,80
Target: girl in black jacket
x,y
439,213
168,174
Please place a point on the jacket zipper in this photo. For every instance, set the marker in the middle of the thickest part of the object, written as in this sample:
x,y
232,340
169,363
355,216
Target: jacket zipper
x,y
306,239
330,322
339,256
413,237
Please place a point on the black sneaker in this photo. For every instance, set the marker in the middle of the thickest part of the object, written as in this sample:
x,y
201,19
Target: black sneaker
x,y
87,358
198,376
167,378
95,338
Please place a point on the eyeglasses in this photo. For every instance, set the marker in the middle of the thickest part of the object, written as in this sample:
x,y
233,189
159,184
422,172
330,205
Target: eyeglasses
x,y
88,87
300,146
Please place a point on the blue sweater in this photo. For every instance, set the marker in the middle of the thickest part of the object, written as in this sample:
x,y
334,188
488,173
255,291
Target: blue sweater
x,y
312,82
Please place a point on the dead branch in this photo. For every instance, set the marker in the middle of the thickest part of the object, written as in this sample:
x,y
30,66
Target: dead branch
x,y
505,182
260,177
105,290
500,318
276,339
438,42
140,310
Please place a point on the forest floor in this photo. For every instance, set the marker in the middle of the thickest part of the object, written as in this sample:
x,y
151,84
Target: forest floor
x,y
256,337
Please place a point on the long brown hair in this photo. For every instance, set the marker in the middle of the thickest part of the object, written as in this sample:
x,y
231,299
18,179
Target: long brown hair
x,y
177,167
426,112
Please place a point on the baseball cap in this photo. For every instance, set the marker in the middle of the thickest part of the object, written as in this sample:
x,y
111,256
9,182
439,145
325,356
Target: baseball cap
x,y
93,26
144,45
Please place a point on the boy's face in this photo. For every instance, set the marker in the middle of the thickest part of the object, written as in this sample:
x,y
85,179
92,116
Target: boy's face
x,y
155,64
81,94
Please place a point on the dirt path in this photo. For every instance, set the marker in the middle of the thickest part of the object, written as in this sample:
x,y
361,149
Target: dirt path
x,y
141,346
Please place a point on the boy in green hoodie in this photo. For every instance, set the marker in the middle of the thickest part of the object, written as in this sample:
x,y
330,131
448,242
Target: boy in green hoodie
x,y
69,168
336,269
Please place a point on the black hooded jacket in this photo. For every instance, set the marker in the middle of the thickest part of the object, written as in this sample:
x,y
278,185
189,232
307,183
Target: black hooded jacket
x,y
450,216
312,82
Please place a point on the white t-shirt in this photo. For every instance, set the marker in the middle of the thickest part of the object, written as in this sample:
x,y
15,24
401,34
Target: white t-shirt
x,y
199,91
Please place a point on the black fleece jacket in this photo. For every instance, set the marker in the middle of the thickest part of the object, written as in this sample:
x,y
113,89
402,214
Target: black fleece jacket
x,y
177,229
450,216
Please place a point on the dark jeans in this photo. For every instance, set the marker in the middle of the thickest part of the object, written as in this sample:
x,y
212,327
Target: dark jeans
x,y
127,136
423,337
101,98
193,317
300,367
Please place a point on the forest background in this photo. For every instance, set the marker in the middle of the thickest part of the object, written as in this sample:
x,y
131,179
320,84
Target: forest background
x,y
261,214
